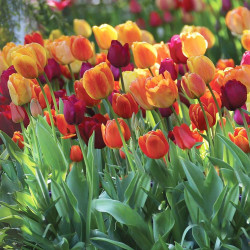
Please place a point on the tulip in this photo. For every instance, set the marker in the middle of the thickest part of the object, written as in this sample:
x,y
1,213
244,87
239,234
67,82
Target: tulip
x,y
193,85
155,19
245,58
104,34
111,135
98,81
124,105
169,65
19,89
193,44
92,125
167,17
240,139
245,39
39,95
226,5
46,114
34,37
55,34
154,144
238,118
162,51
118,55
18,139
166,4
122,154
207,99
145,54
184,137
3,65
188,5
138,90
128,78
233,94
52,70
116,72
147,37
85,66
166,112
175,48
197,116
225,63
140,22
81,27
7,51
81,48
64,128
128,32
17,113
74,110
76,153
134,6
238,20
161,92
81,94
202,66
35,108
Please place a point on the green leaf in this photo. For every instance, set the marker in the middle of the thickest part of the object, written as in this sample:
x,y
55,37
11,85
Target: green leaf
x,y
113,242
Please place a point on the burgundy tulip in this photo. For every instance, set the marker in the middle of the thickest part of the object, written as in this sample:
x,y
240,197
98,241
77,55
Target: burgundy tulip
x,y
226,5
175,48
233,94
90,125
52,70
155,19
85,66
168,65
118,55
74,110
245,58
238,118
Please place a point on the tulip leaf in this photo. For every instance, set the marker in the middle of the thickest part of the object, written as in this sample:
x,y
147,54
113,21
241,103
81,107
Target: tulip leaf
x,y
112,242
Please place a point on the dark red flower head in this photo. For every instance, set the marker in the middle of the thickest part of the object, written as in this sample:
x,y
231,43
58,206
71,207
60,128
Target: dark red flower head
x,y
175,48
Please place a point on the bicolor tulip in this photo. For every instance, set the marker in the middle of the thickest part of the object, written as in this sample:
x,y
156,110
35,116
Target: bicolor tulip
x,y
239,137
245,39
64,128
225,63
18,139
17,113
162,51
35,108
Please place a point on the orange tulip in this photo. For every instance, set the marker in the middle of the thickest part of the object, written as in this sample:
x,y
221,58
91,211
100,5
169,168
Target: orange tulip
x,y
128,32
238,20
104,34
7,50
110,133
245,39
66,129
193,44
39,95
81,27
18,139
76,153
225,63
240,139
145,54
98,81
124,105
81,94
207,99
81,48
217,82
161,90
138,90
202,66
162,51
154,144
19,89
46,114
193,85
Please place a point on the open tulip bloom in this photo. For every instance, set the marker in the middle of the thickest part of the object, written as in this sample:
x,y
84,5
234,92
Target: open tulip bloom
x,y
129,138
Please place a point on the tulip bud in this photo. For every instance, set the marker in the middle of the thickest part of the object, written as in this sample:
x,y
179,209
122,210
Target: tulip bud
x,y
245,58
18,139
17,113
35,108
169,65
76,153
175,48
233,94
81,27
154,144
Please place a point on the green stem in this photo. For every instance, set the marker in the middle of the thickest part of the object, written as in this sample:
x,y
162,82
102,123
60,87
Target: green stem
x,y
151,71
48,108
52,92
122,81
163,125
245,124
24,136
71,73
208,128
175,114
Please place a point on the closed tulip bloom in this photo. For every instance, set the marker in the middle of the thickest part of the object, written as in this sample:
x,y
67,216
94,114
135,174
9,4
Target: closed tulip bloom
x,y
55,34
225,63
184,137
193,85
124,105
128,78
238,118
245,39
35,108
202,66
46,114
233,94
162,51
168,65
81,94
19,89
155,19
161,91
39,95
207,99
17,113
3,65
193,44
138,90
64,128
81,48
197,116
34,37
118,55
147,37
128,32
154,144
18,139
7,50
76,153
238,20
134,6
145,54
82,27
245,58
104,34
110,133
52,70
226,5
116,72
175,48
98,81
240,139
166,4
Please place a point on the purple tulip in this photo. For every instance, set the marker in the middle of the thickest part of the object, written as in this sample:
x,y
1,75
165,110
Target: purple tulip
x,y
168,65
110,97
233,94
52,70
226,5
118,55
238,118
85,66
116,71
175,48
245,58
74,110
165,112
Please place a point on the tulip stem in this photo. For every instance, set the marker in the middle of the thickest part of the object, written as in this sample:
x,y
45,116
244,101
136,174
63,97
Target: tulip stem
x,y
150,71
175,114
52,92
89,180
209,133
49,109
24,135
163,125
71,73
122,81
245,124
